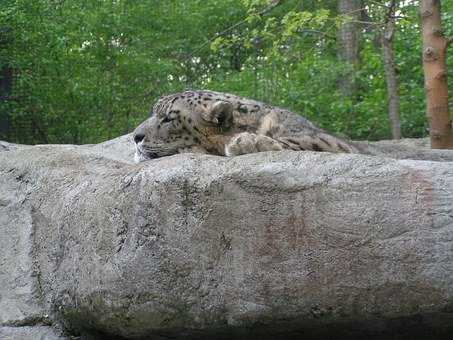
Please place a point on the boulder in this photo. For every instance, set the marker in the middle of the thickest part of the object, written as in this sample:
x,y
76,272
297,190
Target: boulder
x,y
269,245
30,333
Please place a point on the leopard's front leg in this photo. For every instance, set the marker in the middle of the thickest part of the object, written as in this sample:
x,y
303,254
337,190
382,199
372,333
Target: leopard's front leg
x,y
247,142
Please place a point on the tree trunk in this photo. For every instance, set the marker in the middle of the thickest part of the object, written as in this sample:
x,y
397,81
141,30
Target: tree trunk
x,y
348,37
390,72
435,71
6,82
6,78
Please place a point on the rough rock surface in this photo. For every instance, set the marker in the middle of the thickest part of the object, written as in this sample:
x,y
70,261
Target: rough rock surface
x,y
277,245
408,148
30,333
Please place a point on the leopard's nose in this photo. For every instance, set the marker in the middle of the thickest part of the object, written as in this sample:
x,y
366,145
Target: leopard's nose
x,y
138,137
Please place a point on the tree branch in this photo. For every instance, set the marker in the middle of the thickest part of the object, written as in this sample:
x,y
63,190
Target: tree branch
x,y
325,34
272,5
371,23
449,40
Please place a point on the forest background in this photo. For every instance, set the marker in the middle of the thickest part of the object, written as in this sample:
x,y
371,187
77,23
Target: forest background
x,y
86,71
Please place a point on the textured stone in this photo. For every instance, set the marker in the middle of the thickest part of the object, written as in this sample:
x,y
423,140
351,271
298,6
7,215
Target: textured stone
x,y
29,333
278,244
406,149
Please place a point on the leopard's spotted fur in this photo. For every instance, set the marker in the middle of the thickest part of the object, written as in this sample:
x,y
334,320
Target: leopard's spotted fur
x,y
228,125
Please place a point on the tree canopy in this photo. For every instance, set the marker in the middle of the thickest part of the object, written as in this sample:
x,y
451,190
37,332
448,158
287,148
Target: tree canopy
x,y
86,71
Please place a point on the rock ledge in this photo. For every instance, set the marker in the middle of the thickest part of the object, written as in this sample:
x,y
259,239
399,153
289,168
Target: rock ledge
x,y
276,245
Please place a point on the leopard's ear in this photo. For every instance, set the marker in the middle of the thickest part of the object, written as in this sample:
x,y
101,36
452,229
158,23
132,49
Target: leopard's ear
x,y
219,114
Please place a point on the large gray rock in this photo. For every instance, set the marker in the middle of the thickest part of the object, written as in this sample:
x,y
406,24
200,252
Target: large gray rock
x,y
408,148
279,244
29,333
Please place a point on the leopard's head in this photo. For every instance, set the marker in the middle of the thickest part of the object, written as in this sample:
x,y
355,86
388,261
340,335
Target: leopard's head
x,y
183,122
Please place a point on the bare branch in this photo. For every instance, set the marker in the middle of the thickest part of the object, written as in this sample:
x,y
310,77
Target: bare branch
x,y
377,3
449,40
272,5
325,34
372,23
367,22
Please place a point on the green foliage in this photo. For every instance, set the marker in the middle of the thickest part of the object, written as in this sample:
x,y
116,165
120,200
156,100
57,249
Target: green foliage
x,y
86,71
90,70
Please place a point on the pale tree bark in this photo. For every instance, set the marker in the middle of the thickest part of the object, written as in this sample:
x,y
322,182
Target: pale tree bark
x,y
390,71
348,40
435,71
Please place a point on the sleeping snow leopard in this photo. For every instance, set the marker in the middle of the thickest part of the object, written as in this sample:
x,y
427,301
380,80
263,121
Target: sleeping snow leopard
x,y
227,125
